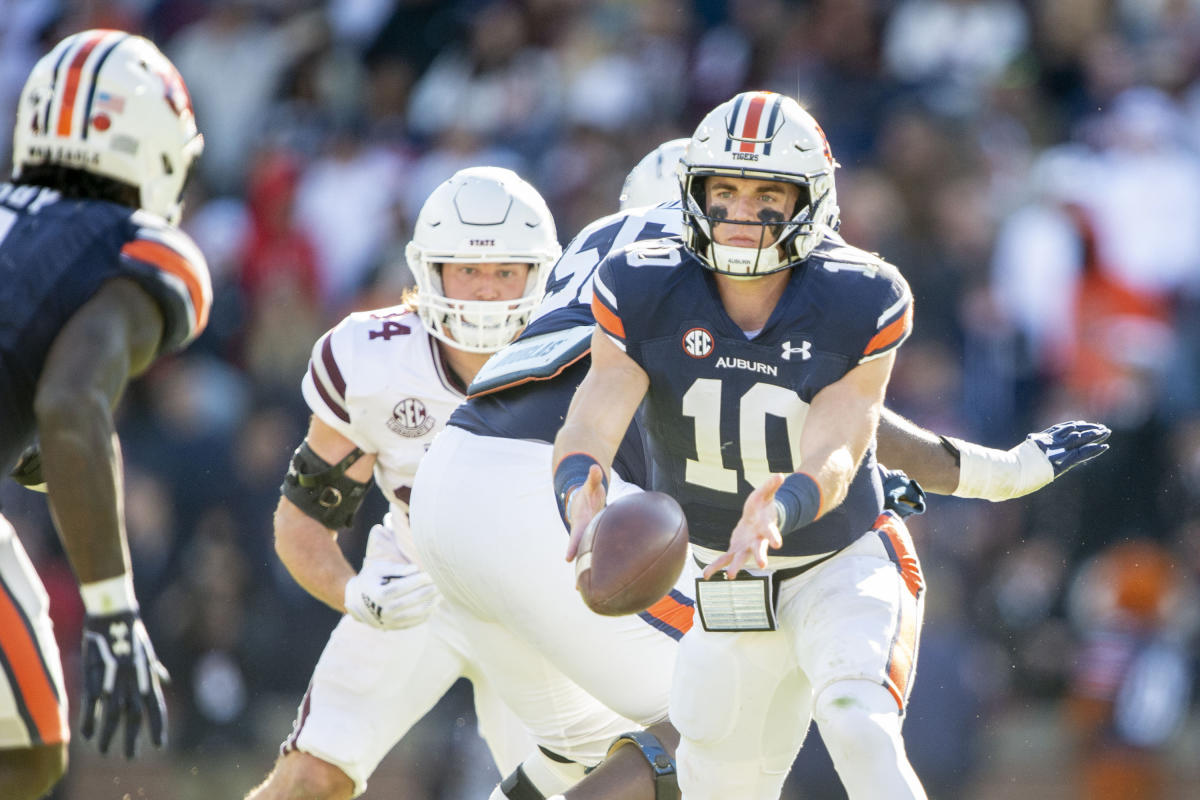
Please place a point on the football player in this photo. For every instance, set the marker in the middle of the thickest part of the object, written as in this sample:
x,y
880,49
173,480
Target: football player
x,y
98,283
381,385
507,545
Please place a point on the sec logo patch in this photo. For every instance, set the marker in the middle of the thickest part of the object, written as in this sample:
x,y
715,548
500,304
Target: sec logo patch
x,y
409,419
698,343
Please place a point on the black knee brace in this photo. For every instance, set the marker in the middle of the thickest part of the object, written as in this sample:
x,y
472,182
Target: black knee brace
x,y
666,786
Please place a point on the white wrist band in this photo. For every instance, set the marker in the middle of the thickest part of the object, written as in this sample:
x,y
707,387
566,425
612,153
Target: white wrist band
x,y
997,475
109,596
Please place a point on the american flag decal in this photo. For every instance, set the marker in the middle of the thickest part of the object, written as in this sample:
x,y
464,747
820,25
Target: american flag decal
x,y
753,124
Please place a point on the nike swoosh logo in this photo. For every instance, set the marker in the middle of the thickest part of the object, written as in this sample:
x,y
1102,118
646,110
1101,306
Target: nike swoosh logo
x,y
384,580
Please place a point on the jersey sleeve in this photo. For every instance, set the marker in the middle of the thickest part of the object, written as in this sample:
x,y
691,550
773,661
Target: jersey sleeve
x,y
605,306
169,265
324,384
894,322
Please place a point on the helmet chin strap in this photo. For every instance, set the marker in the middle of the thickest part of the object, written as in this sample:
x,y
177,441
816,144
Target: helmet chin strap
x,y
749,262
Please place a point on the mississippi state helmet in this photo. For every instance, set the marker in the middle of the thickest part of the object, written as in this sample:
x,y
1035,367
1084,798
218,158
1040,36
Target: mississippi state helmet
x,y
110,103
655,179
481,215
763,136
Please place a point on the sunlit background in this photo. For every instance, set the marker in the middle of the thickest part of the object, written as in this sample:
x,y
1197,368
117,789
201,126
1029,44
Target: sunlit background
x,y
1033,168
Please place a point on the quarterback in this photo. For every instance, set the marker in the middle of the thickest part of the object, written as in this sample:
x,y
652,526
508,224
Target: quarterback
x,y
98,283
380,386
499,559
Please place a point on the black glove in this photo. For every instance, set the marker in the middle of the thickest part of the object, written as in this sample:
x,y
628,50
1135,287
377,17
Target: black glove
x,y
901,493
121,679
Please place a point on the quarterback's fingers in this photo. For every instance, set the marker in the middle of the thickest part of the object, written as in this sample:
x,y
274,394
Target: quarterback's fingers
x,y
717,564
760,553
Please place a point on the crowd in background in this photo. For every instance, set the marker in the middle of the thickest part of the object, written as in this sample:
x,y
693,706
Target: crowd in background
x,y
1032,166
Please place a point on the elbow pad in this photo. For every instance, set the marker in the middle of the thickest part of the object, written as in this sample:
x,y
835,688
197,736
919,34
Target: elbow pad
x,y
322,490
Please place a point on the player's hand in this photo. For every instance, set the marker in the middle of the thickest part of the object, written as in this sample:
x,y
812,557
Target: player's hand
x,y
28,471
1069,444
390,594
755,532
122,679
585,503
901,493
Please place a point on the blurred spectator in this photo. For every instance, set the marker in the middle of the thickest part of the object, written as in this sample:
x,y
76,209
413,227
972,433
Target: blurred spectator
x,y
1133,671
232,60
494,85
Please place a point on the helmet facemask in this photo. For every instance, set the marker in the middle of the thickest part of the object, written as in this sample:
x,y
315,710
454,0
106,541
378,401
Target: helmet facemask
x,y
475,326
481,215
759,136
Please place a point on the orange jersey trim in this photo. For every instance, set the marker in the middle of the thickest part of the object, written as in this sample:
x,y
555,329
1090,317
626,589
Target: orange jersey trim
x,y
902,657
670,611
891,334
607,319
33,686
169,260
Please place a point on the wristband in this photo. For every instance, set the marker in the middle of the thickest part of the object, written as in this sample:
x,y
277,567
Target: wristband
x,y
109,596
797,502
569,475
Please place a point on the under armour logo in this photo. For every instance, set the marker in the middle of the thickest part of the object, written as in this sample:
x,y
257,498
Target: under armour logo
x,y
803,349
118,632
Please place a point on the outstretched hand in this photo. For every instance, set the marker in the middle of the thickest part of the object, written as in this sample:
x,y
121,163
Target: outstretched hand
x,y
585,503
1069,444
756,531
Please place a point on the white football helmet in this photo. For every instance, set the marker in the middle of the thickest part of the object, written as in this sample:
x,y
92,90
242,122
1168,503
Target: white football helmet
x,y
655,179
481,215
770,137
112,104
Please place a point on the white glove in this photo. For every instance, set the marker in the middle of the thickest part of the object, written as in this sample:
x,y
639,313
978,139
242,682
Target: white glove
x,y
390,594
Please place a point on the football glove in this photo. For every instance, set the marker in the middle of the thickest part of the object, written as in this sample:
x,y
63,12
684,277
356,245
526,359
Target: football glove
x,y
388,594
901,493
122,679
28,471
1069,444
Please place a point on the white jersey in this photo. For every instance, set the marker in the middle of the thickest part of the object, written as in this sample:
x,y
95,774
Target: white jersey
x,y
378,379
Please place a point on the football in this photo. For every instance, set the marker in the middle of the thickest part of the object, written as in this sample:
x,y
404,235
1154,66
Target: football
x,y
631,553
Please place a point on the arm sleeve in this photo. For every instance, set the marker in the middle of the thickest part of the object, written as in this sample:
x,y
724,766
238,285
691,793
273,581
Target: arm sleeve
x,y
894,323
605,307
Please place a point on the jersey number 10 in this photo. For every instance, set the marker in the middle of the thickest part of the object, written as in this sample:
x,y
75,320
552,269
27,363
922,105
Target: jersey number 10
x,y
702,402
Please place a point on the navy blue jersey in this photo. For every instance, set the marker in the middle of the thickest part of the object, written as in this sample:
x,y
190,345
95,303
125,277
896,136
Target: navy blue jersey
x,y
724,411
55,254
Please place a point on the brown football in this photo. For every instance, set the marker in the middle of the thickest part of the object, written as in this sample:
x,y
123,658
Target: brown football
x,y
631,553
